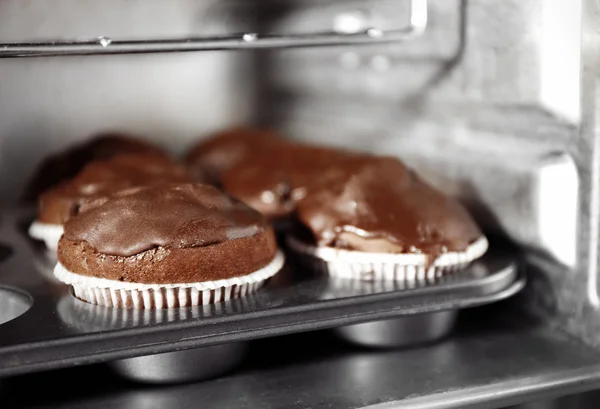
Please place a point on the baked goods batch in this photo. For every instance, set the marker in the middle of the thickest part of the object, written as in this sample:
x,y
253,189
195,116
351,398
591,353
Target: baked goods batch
x,y
354,215
139,230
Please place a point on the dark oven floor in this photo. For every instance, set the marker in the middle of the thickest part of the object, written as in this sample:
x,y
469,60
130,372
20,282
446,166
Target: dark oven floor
x,y
480,365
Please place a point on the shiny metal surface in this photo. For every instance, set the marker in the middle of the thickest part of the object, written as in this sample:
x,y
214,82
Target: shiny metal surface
x,y
400,332
13,303
182,366
488,363
108,45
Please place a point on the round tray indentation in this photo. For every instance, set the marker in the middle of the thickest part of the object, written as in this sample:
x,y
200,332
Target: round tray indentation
x,y
400,332
13,303
182,366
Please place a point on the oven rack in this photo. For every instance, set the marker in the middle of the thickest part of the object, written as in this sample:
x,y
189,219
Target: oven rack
x,y
108,45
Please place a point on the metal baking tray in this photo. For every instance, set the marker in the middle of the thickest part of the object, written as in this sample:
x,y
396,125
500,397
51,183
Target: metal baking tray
x,y
51,329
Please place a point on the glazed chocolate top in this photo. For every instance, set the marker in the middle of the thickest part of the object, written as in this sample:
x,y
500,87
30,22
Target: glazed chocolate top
x,y
273,180
376,204
172,216
346,200
67,164
104,177
212,157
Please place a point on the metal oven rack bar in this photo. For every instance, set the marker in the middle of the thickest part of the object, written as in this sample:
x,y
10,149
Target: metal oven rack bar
x,y
106,45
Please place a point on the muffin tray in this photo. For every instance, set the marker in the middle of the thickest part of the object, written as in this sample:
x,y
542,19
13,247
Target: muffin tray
x,y
42,326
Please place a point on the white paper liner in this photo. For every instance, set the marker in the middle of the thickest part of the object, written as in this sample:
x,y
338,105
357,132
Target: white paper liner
x,y
407,268
113,293
49,233
83,316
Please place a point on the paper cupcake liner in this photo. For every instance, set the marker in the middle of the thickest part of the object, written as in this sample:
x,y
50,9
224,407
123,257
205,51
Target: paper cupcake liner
x,y
81,316
112,293
406,268
48,233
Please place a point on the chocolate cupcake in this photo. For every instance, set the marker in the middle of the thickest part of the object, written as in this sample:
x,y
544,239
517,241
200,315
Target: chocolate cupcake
x,y
100,178
65,165
210,158
274,179
357,215
372,218
173,245
261,168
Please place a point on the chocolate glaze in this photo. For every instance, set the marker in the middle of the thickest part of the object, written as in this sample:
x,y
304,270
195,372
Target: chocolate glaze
x,y
377,204
274,179
104,177
210,158
175,216
350,200
344,199
67,164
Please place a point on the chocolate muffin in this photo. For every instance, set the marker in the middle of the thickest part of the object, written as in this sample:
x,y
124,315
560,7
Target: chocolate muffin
x,y
210,158
359,215
372,218
274,179
173,245
261,168
65,165
100,178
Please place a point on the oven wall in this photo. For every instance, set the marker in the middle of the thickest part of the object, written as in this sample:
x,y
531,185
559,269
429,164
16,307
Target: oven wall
x,y
48,103
491,85
497,104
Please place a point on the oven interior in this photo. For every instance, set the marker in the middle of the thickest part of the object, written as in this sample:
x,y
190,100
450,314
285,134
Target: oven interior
x,y
494,102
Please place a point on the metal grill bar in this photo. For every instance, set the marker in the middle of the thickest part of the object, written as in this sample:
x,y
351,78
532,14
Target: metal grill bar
x,y
106,45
